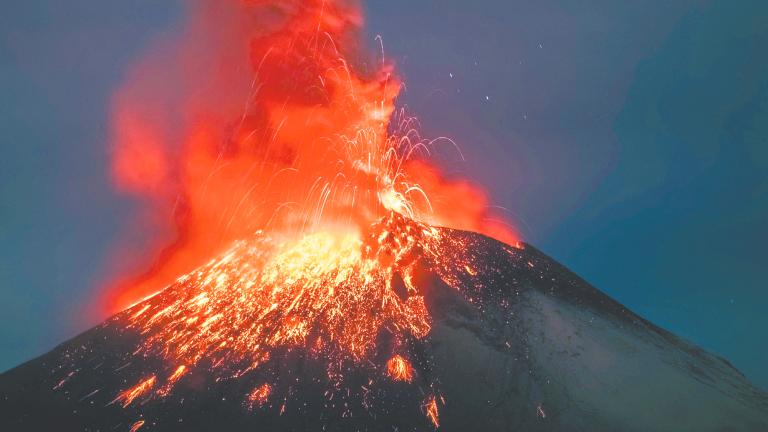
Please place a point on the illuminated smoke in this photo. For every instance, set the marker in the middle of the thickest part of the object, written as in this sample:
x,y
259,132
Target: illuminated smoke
x,y
269,115
289,201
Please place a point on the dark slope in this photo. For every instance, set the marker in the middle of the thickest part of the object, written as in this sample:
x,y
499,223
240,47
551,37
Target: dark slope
x,y
524,344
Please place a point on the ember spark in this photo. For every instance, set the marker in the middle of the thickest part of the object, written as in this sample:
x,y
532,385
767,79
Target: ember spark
x,y
400,369
258,396
319,292
128,396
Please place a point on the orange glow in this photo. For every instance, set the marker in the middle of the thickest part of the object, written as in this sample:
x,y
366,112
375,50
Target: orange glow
x,y
329,294
177,373
137,425
263,294
166,389
259,396
128,396
431,409
269,115
400,369
287,198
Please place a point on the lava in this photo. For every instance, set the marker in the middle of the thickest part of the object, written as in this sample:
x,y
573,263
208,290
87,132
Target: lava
x,y
269,115
259,396
137,425
128,396
324,292
330,294
400,369
291,201
430,406
175,376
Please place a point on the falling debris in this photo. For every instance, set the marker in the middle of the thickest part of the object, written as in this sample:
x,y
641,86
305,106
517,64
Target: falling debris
x,y
137,425
128,396
431,409
400,369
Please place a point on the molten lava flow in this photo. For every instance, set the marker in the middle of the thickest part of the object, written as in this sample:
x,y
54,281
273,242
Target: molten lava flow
x,y
290,202
324,292
327,294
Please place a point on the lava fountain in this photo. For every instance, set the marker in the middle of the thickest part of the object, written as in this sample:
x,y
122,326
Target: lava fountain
x,y
292,199
270,115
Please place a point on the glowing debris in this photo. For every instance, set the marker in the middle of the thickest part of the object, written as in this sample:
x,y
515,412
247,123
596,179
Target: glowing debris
x,y
313,184
171,381
399,369
259,396
136,426
276,294
316,142
430,407
128,396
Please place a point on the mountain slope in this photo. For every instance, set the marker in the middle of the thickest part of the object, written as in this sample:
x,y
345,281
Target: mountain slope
x,y
515,342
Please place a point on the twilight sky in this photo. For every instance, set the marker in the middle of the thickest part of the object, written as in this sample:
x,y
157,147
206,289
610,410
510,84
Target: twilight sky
x,y
628,140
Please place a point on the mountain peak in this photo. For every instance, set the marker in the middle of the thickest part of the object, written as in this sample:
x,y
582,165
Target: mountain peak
x,y
404,327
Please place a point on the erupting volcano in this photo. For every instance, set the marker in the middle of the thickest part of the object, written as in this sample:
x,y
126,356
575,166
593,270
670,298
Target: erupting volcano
x,y
314,270
269,115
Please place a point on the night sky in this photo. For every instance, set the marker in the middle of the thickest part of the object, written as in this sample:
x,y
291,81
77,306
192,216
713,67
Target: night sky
x,y
628,140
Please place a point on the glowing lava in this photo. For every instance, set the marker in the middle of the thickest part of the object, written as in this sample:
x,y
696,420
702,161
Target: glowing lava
x,y
128,396
295,202
269,115
400,369
319,292
431,409
137,425
259,396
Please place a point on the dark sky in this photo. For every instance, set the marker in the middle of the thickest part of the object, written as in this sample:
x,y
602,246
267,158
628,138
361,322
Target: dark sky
x,y
629,140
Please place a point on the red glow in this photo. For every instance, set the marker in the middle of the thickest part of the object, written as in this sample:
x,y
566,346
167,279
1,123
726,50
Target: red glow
x,y
268,115
127,397
430,407
399,369
137,425
259,396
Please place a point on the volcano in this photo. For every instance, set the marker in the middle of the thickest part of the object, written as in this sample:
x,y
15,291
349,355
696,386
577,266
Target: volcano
x,y
323,273
463,332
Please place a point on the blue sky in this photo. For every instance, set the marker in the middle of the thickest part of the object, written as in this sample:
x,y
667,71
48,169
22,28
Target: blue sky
x,y
629,140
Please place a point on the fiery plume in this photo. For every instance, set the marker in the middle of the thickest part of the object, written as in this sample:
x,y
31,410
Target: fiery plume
x,y
269,115
290,199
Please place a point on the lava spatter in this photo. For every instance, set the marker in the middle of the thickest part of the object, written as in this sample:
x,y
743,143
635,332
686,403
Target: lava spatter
x,y
128,396
258,397
400,369
328,294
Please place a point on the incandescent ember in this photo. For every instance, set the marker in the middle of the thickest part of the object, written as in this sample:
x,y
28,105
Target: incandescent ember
x,y
332,296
